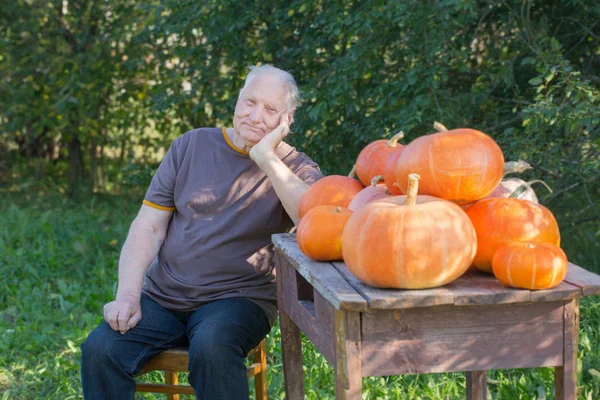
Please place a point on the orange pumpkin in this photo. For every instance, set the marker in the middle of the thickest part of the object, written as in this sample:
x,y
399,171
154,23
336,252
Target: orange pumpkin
x,y
371,193
530,266
461,165
333,190
371,160
389,168
408,242
500,221
319,233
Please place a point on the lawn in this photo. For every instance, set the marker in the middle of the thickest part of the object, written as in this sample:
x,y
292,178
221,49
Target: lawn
x,y
59,257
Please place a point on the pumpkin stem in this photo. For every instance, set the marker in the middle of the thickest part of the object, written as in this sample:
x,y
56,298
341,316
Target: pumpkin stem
x,y
376,180
514,167
438,126
526,185
352,173
338,209
413,187
393,141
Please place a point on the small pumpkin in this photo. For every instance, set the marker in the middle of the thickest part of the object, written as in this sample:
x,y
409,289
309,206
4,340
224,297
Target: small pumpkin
x,y
371,160
319,234
408,242
371,193
500,221
532,266
461,165
334,190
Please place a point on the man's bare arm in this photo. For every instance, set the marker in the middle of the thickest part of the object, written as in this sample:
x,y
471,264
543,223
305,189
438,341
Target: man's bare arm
x,y
146,236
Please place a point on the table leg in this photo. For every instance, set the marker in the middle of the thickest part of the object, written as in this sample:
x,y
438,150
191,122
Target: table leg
x,y
291,351
348,357
476,385
565,376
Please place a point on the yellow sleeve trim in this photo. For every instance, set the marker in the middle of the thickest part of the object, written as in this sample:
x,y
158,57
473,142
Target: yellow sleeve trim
x,y
234,147
146,202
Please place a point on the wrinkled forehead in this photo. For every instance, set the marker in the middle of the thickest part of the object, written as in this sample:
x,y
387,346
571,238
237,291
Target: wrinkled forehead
x,y
268,88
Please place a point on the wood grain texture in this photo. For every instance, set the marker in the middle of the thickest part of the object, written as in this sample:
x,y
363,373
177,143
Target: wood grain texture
x,y
476,385
291,337
395,298
317,326
469,338
565,376
321,275
586,280
348,355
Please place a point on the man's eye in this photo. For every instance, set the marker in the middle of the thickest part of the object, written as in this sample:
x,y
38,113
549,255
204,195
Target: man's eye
x,y
249,101
271,110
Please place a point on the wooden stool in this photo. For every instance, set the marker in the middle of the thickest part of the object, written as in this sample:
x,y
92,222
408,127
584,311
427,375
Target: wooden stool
x,y
175,360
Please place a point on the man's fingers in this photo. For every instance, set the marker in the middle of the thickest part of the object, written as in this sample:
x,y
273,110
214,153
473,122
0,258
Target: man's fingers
x,y
135,318
111,318
123,319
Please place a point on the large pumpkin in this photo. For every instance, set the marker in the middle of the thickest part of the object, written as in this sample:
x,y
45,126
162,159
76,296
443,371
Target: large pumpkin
x,y
532,266
408,242
333,190
500,221
319,233
371,160
371,193
461,165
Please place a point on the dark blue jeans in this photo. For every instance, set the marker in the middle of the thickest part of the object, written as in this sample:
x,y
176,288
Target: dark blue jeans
x,y
219,335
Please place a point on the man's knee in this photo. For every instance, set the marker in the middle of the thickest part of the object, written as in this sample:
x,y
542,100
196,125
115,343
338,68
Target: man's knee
x,y
98,348
214,345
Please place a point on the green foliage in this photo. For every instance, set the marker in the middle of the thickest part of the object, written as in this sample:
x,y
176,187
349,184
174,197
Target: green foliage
x,y
101,88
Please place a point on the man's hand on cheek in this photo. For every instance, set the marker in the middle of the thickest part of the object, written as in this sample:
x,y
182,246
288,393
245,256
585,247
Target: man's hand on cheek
x,y
265,148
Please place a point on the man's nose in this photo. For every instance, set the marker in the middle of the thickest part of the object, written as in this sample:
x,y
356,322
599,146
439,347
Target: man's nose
x,y
256,114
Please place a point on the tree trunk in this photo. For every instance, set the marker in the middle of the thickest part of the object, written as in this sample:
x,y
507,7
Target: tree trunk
x,y
93,152
75,165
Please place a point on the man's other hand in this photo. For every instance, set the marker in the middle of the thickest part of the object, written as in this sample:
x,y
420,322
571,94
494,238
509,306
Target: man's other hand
x,y
124,313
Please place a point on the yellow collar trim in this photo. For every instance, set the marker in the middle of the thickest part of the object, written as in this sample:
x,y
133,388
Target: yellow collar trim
x,y
233,146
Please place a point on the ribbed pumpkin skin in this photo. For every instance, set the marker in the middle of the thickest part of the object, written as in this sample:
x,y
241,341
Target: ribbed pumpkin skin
x,y
389,245
319,233
500,221
532,266
368,195
371,160
333,190
389,171
461,165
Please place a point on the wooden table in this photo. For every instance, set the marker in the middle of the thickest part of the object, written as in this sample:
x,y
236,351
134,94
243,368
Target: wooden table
x,y
474,324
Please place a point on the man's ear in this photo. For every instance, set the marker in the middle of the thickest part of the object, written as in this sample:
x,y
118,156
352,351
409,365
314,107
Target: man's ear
x,y
291,117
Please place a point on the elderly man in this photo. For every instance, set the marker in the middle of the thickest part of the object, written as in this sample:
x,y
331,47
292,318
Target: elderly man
x,y
196,268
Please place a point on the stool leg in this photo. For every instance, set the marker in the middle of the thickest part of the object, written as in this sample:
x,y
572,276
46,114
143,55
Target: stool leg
x,y
260,380
171,378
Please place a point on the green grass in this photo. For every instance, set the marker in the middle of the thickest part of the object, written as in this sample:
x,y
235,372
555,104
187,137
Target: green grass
x,y
58,262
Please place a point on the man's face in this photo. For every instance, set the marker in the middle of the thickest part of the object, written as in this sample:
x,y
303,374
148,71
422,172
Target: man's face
x,y
260,108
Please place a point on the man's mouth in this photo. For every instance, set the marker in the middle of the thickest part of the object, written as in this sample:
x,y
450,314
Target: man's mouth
x,y
257,130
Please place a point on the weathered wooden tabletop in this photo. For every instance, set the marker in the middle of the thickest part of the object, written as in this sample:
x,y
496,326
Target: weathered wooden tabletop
x,y
340,287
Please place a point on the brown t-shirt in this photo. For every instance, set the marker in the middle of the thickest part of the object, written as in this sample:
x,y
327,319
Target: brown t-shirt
x,y
218,244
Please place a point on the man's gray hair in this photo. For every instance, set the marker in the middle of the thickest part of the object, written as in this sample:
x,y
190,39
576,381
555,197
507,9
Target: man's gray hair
x,y
293,96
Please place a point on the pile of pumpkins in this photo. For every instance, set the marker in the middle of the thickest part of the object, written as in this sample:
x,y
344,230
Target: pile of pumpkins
x,y
420,215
